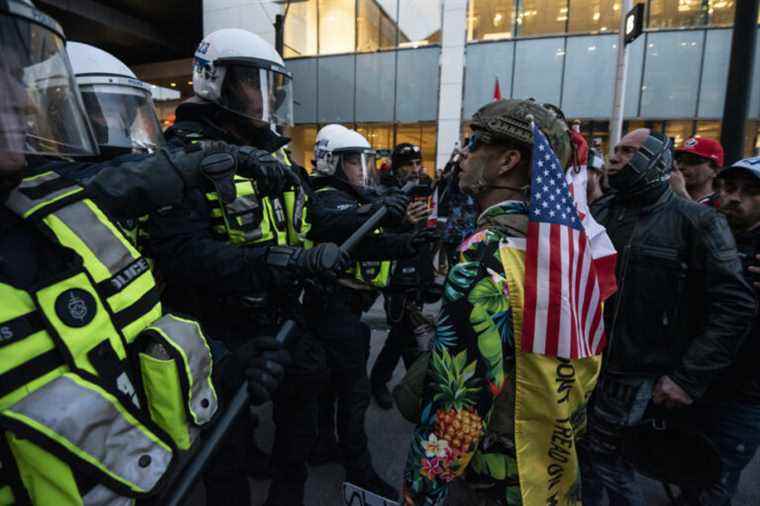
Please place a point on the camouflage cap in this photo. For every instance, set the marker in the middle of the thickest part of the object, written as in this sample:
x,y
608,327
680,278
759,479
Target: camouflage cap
x,y
510,120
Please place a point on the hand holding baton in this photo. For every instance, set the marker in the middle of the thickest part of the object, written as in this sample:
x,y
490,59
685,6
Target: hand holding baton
x,y
240,401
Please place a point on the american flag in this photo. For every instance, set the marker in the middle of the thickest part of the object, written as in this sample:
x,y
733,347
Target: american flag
x,y
563,301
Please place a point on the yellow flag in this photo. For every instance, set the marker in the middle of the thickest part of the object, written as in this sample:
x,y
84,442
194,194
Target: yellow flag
x,y
550,407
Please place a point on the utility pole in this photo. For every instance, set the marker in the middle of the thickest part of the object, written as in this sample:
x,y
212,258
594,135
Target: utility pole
x,y
618,102
739,84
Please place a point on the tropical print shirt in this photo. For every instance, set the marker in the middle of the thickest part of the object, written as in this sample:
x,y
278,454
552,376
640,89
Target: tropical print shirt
x,y
471,361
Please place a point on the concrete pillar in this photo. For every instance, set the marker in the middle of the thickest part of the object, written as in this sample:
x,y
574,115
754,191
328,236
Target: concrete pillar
x,y
452,78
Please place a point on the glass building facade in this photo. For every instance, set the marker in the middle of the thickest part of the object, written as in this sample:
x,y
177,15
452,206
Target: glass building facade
x,y
416,70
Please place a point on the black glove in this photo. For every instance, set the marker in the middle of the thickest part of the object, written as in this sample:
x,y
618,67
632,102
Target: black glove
x,y
263,361
272,176
420,239
396,204
326,258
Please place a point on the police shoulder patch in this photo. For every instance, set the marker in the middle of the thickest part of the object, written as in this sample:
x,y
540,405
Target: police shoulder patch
x,y
76,307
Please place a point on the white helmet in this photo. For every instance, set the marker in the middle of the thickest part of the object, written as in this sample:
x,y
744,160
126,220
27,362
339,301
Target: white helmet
x,y
345,154
241,72
119,105
41,110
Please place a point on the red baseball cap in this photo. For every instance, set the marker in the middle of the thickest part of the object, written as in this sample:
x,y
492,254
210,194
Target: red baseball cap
x,y
709,149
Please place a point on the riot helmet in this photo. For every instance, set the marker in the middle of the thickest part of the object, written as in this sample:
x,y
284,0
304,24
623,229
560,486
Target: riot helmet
x,y
41,111
118,105
345,155
243,74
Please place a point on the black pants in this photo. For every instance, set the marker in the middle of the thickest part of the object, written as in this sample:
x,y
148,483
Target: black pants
x,y
226,475
400,343
295,418
346,341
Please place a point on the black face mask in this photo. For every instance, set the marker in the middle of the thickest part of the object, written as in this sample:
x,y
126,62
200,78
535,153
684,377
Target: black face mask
x,y
649,168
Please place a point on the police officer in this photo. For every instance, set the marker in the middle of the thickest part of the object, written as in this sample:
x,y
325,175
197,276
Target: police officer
x,y
412,280
230,261
343,183
94,409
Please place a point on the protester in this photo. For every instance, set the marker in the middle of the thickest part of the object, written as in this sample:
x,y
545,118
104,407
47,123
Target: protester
x,y
699,160
676,256
484,434
729,413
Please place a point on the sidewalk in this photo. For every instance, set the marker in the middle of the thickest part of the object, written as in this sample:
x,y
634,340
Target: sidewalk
x,y
389,436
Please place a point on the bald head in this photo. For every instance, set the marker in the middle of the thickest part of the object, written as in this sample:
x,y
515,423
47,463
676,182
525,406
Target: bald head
x,y
626,148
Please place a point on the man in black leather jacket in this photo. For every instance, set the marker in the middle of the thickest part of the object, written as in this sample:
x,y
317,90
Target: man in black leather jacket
x,y
680,315
729,413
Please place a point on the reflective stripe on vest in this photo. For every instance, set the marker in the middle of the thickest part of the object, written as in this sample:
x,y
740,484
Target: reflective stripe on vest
x,y
103,496
91,424
85,320
250,220
187,339
40,191
296,209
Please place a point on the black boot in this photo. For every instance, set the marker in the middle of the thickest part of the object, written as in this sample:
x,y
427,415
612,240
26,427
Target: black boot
x,y
372,482
382,395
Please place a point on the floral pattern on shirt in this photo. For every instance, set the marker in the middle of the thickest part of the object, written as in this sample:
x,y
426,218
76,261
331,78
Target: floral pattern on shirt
x,y
467,370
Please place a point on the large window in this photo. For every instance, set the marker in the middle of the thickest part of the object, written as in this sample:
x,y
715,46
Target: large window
x,y
301,146
419,22
594,16
539,17
336,26
300,37
681,13
490,19
315,27
375,28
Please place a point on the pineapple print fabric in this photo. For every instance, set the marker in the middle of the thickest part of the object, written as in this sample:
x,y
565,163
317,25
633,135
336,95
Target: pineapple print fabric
x,y
488,410
467,373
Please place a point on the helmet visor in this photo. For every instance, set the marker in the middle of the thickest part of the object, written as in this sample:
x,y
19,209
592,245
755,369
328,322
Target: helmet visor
x,y
122,117
358,168
257,93
41,111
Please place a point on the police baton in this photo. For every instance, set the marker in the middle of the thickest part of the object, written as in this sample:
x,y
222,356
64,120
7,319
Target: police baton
x,y
240,402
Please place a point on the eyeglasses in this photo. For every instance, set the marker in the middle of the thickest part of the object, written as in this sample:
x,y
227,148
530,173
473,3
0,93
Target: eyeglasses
x,y
474,142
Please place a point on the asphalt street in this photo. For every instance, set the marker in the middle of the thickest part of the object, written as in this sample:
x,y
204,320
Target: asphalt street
x,y
389,436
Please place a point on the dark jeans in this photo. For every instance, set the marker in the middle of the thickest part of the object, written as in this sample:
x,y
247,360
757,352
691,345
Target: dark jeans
x,y
346,341
735,428
617,403
400,343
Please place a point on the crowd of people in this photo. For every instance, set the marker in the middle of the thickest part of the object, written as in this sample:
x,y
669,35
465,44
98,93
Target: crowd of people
x,y
147,277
